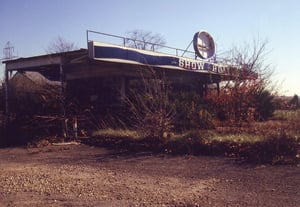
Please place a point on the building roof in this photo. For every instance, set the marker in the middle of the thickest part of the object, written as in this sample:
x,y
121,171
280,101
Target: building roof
x,y
102,59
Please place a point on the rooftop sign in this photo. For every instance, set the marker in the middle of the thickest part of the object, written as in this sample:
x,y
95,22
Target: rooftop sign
x,y
204,45
120,54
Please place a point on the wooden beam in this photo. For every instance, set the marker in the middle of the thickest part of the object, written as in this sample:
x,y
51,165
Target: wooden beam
x,y
24,63
6,95
62,101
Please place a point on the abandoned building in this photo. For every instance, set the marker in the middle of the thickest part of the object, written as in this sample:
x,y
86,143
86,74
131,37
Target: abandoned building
x,y
101,75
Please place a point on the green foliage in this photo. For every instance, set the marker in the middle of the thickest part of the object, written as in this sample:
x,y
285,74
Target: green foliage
x,y
274,150
265,105
190,111
294,102
245,147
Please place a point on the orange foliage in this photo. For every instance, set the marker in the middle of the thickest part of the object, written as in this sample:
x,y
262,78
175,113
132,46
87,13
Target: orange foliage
x,y
235,102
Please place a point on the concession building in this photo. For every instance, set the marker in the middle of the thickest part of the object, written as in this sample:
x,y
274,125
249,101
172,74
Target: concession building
x,y
102,74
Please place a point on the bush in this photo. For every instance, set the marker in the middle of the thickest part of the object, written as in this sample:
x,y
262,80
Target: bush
x,y
281,150
12,135
190,111
294,102
149,106
265,105
274,151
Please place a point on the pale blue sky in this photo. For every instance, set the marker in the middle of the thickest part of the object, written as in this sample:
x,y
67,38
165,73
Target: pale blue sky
x,y
30,25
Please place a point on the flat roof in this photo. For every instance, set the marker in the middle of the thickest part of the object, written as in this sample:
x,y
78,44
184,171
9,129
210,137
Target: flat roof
x,y
102,59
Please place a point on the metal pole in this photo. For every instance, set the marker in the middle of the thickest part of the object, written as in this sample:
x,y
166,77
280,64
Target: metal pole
x,y
186,49
87,38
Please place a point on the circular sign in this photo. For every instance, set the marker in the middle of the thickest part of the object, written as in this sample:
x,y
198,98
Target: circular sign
x,y
204,45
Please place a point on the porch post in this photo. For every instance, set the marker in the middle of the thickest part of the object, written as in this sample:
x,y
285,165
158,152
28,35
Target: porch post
x,y
62,101
218,88
6,96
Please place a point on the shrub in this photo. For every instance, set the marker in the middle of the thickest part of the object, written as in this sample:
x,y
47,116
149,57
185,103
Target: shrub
x,y
294,102
274,151
12,134
190,111
149,106
265,105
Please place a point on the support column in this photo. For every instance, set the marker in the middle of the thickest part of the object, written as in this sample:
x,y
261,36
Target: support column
x,y
62,102
205,89
6,97
218,88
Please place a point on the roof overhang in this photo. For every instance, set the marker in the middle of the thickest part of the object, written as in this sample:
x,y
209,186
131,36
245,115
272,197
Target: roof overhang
x,y
103,60
43,61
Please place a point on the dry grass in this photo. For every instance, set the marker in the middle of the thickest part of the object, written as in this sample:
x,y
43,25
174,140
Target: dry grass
x,y
287,115
238,138
119,133
274,142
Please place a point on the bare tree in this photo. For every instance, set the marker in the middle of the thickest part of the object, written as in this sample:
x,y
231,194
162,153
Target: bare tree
x,y
60,45
243,92
251,59
145,40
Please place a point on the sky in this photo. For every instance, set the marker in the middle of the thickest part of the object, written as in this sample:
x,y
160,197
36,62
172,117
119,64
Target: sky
x,y
32,25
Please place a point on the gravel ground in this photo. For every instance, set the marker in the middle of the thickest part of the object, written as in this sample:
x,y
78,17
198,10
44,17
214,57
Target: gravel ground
x,y
80,175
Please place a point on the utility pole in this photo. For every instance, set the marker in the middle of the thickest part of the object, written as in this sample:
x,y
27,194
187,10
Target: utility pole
x,y
8,54
8,51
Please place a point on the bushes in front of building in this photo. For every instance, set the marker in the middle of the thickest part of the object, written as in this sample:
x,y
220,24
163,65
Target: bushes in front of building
x,y
156,109
191,111
264,105
180,120
33,113
149,108
243,147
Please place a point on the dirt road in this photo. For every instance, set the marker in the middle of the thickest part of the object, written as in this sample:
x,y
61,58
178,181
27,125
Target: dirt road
x,y
80,175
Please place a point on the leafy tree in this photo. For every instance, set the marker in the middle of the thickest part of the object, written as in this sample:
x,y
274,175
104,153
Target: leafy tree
x,y
265,105
294,102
